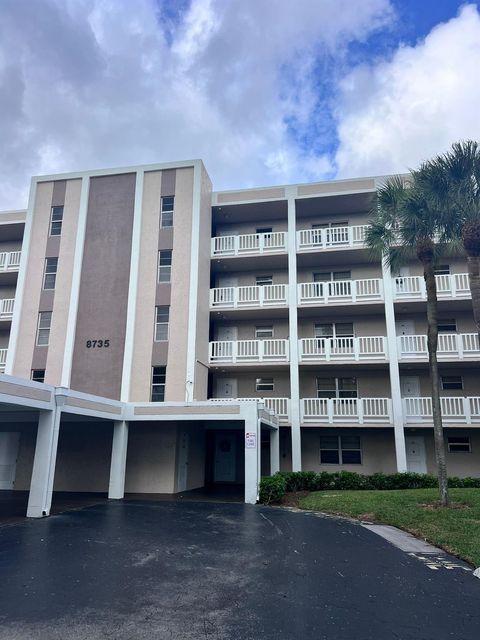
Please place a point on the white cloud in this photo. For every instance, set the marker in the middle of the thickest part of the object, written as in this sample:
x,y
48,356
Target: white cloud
x,y
96,83
394,114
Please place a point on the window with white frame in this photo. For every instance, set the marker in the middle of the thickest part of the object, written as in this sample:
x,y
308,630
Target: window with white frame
x,y
43,328
162,316
452,383
263,332
165,265
457,444
56,220
158,384
38,375
447,326
333,330
442,270
340,450
331,276
50,273
166,211
263,281
332,387
264,384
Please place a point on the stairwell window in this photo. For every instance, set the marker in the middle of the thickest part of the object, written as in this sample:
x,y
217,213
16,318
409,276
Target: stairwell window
x,y
457,444
340,450
263,281
56,220
452,383
162,316
158,384
50,273
43,328
38,375
164,266
264,384
447,326
166,211
264,332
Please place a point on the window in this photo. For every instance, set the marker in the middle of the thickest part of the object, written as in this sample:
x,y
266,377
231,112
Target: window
x,y
50,274
333,330
447,326
162,315
38,375
56,219
164,266
331,276
340,450
262,281
442,270
336,387
452,382
264,332
459,443
166,211
43,330
264,384
330,225
158,384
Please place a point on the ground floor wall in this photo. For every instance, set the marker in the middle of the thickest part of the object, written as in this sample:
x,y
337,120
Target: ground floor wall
x,y
26,451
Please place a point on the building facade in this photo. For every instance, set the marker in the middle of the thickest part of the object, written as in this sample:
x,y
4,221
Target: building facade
x,y
180,305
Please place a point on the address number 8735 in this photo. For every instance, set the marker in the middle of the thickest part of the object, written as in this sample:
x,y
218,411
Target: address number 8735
x,y
97,344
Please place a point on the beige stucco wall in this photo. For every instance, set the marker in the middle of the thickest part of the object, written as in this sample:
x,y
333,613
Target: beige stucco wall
x,y
151,458
351,219
357,271
246,383
246,328
459,463
9,245
248,278
471,381
239,228
7,291
377,446
465,323
370,384
362,325
457,265
26,450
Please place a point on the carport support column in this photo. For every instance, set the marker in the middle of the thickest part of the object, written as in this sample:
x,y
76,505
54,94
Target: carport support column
x,y
274,451
43,473
252,453
116,487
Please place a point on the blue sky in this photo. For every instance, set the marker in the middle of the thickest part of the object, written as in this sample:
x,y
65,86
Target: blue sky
x,y
264,91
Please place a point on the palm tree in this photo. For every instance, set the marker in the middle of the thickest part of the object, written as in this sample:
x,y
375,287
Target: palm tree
x,y
456,193
402,227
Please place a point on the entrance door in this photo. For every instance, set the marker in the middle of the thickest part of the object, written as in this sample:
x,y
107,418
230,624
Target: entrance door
x,y
405,328
9,441
227,333
410,386
227,388
415,448
182,462
225,458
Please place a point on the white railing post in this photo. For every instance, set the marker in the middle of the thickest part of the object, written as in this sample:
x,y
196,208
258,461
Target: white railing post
x,y
330,410
261,296
466,410
353,290
234,350
423,289
360,411
356,349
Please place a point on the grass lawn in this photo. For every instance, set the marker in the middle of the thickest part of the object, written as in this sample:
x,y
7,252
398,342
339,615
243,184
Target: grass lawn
x,y
456,530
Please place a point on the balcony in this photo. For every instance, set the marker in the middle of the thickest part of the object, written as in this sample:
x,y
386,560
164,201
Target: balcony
x,y
3,360
340,291
249,244
240,351
343,349
6,308
250,296
331,238
351,410
451,346
448,287
10,260
454,409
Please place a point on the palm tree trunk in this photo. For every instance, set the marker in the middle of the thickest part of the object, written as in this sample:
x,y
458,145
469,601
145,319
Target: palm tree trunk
x,y
432,341
473,262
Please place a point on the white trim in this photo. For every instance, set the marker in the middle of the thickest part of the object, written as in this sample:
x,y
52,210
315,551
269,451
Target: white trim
x,y
19,292
75,288
193,299
132,289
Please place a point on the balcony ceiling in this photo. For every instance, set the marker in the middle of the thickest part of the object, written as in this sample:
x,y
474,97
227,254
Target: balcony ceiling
x,y
253,212
328,205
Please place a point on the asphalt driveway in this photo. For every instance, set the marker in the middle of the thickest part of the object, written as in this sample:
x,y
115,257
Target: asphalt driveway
x,y
196,570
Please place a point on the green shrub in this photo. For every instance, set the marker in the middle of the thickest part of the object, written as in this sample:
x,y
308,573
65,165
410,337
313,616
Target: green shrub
x,y
272,488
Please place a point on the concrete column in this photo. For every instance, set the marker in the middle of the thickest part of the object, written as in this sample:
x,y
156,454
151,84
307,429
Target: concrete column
x,y
43,473
116,487
397,408
274,451
252,454
293,332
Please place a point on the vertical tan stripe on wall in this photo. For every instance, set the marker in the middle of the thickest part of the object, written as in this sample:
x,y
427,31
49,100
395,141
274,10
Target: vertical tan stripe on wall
x,y
33,281
182,238
63,283
147,282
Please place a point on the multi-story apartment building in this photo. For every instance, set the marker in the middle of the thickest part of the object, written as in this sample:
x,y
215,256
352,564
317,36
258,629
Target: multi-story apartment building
x,y
141,315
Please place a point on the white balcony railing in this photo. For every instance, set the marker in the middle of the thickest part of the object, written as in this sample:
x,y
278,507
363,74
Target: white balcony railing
x,y
280,406
252,243
6,308
340,291
10,260
343,349
458,409
249,351
448,286
249,296
355,410
450,346
331,237
3,360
